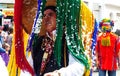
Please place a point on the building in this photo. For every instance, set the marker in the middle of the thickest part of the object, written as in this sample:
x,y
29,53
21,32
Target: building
x,y
106,9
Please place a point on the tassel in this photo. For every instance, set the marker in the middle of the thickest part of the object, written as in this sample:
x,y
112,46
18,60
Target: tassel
x,y
87,73
106,41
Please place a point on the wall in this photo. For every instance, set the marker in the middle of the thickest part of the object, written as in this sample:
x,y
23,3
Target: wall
x,y
7,1
106,9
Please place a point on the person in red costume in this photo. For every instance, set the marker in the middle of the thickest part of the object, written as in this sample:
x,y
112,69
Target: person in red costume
x,y
107,49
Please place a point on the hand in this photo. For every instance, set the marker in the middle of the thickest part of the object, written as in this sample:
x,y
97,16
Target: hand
x,y
51,74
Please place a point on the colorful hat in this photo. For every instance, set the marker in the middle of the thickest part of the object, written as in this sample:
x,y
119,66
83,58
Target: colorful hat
x,y
106,21
51,3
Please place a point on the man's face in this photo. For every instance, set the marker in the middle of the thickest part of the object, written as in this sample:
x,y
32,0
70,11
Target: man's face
x,y
106,27
49,20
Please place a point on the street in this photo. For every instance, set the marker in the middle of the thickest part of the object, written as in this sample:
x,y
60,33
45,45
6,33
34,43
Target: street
x,y
96,73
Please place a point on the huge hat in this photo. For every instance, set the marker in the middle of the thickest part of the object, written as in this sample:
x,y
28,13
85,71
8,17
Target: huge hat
x,y
51,3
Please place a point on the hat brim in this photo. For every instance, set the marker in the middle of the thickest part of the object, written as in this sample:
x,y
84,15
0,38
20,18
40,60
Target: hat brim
x,y
29,9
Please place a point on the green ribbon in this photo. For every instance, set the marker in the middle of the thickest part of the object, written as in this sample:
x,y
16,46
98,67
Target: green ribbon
x,y
68,13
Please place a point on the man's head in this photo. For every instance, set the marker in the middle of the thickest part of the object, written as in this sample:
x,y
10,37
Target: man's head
x,y
106,25
49,18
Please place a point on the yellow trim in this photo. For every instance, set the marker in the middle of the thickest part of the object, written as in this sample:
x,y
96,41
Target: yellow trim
x,y
12,67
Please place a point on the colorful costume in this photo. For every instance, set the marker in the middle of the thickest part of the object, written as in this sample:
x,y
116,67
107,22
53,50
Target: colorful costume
x,y
107,55
42,65
68,15
72,39
107,49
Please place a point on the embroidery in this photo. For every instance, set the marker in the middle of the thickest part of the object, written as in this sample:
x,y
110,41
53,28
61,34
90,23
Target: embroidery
x,y
47,47
105,41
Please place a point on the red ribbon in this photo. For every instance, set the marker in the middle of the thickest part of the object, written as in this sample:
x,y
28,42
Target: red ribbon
x,y
21,60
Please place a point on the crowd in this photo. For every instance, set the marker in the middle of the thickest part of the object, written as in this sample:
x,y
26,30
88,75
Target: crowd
x,y
6,34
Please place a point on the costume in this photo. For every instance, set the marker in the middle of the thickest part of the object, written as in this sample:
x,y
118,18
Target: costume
x,y
107,49
107,55
71,20
40,45
56,54
38,55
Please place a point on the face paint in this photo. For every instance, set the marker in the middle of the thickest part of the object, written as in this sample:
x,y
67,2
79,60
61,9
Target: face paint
x,y
106,28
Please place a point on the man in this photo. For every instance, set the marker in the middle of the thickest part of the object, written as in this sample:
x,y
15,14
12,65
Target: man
x,y
44,60
45,41
107,49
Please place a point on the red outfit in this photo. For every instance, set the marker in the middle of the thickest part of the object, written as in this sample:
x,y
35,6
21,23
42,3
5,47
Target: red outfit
x,y
107,55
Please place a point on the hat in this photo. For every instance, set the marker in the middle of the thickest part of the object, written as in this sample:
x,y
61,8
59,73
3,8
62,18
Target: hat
x,y
106,21
29,9
51,3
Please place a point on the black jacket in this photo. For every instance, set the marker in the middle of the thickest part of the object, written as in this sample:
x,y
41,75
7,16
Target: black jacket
x,y
37,54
